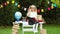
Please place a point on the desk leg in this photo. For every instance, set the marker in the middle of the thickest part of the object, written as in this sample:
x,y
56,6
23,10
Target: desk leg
x,y
15,28
41,26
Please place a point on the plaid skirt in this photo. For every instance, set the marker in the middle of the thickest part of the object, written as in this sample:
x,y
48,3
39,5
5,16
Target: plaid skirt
x,y
32,21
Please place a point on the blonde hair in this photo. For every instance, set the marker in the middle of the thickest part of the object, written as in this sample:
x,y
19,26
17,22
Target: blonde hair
x,y
35,9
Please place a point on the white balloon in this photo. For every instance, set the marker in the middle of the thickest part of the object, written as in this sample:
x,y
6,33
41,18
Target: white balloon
x,y
25,9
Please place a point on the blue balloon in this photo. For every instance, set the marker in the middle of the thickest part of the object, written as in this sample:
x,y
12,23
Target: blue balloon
x,y
18,15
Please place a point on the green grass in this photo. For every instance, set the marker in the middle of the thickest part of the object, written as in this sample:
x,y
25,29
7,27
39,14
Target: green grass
x,y
51,29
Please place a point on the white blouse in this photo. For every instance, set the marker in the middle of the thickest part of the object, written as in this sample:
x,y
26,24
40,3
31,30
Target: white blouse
x,y
32,14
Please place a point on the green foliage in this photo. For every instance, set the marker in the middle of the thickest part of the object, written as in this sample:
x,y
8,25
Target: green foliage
x,y
7,15
57,2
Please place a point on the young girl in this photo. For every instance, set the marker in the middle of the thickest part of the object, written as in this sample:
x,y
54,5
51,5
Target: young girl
x,y
32,14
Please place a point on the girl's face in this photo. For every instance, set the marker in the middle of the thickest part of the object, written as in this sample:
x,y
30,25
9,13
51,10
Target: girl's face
x,y
32,8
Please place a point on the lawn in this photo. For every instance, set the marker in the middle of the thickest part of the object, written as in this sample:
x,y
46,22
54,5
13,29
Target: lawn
x,y
51,29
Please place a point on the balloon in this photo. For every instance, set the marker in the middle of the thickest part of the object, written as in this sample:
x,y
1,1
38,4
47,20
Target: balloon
x,y
18,15
19,6
1,6
25,9
38,10
49,8
42,10
48,2
13,2
7,2
52,7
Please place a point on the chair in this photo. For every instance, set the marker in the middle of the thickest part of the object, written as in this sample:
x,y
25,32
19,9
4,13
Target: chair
x,y
29,28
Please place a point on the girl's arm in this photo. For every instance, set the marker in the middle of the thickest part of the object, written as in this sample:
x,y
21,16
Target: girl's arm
x,y
28,14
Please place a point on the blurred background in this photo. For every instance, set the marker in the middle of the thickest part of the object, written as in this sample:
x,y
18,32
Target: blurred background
x,y
50,10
